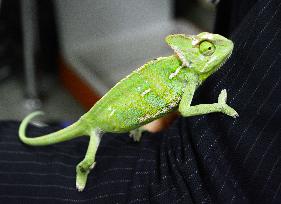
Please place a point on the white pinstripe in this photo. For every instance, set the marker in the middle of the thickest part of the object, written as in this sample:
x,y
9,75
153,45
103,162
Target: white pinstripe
x,y
270,174
18,143
102,196
54,153
109,182
253,67
138,200
35,174
276,192
219,160
183,195
37,186
118,169
232,199
260,134
37,163
45,198
65,187
258,110
246,59
9,140
265,153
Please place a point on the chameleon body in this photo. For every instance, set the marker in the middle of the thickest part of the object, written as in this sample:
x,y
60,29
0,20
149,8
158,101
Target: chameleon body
x,y
158,87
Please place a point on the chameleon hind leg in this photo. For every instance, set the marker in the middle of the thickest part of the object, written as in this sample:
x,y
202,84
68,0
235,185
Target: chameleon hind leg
x,y
136,134
186,110
88,163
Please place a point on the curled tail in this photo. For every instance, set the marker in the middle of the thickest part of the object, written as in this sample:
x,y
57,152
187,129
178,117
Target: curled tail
x,y
77,129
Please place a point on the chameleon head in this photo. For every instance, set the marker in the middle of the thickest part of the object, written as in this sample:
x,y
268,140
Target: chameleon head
x,y
204,53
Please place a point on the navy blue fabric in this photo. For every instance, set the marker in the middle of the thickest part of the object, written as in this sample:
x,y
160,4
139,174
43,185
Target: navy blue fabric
x,y
206,159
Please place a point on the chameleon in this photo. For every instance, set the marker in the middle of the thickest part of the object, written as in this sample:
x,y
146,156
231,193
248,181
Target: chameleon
x,y
161,86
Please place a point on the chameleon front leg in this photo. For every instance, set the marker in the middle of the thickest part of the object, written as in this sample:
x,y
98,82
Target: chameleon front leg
x,y
136,134
88,163
186,110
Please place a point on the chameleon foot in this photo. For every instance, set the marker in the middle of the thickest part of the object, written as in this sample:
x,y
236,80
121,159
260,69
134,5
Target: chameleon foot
x,y
136,134
226,109
82,171
88,163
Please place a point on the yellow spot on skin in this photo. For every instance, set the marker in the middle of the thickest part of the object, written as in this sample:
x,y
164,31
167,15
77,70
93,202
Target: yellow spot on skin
x,y
145,92
112,112
175,73
201,57
194,41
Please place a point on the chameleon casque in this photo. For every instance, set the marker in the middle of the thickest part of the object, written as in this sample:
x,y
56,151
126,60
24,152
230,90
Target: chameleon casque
x,y
158,87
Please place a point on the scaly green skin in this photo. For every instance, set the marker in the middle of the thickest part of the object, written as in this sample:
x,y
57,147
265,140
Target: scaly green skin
x,y
150,92
139,98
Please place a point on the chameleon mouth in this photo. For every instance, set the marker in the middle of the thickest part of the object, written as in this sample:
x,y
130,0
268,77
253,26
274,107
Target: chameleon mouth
x,y
229,51
225,60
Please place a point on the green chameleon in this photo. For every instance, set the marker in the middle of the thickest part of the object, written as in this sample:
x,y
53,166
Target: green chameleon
x,y
158,87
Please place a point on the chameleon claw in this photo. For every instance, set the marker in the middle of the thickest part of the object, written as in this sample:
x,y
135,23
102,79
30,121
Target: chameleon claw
x,y
229,111
236,115
222,97
79,188
81,179
82,172
136,134
93,165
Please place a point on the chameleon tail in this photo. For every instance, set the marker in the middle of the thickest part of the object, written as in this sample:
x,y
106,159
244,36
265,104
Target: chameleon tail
x,y
77,129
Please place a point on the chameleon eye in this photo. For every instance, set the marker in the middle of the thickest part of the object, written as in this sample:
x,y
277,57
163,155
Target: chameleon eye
x,y
206,48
